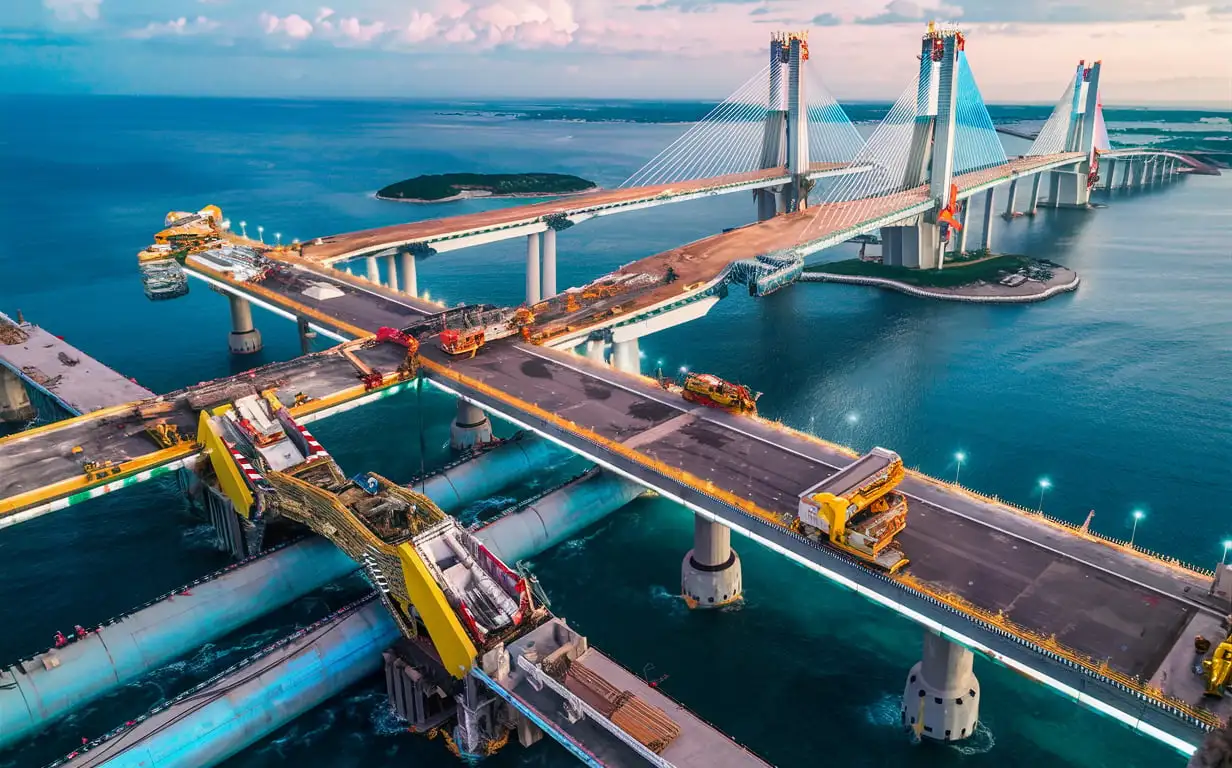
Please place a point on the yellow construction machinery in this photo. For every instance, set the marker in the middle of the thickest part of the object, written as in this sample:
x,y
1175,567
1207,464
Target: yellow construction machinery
x,y
858,511
711,391
1216,670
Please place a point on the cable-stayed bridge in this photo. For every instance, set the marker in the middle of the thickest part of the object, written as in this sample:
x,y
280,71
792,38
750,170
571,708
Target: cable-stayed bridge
x,y
985,577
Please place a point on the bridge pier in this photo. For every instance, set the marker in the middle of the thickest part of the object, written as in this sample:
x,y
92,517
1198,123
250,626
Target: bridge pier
x,y
710,576
374,270
1033,208
1069,190
1128,176
627,356
913,246
549,263
532,269
410,280
596,350
1013,199
470,428
941,698
306,335
960,241
391,271
244,338
15,406
989,202
1140,175
1109,167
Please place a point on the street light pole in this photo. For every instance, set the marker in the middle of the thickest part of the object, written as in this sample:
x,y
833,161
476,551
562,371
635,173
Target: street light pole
x,y
1044,484
960,457
1138,515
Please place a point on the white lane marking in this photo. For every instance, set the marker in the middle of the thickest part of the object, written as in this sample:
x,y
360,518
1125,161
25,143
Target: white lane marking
x,y
938,505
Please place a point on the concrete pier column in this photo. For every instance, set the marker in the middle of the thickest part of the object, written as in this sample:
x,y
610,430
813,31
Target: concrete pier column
x,y
596,350
410,280
374,271
1127,177
470,428
627,356
986,242
306,335
549,263
15,407
391,271
532,269
960,240
244,338
1140,176
1035,185
1108,170
942,698
1013,199
710,575
1069,189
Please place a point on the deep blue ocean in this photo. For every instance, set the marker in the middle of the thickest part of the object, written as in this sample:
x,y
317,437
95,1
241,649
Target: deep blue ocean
x,y
1119,393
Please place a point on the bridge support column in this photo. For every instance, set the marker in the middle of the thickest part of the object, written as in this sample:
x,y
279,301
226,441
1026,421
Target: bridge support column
x,y
470,428
626,356
1127,178
391,271
913,246
1140,172
549,263
989,202
941,700
1013,199
244,338
1069,190
15,407
374,270
306,335
1109,168
960,239
532,269
1035,185
710,576
410,280
596,350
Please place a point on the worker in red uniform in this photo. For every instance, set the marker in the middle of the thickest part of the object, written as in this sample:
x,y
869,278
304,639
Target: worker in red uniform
x,y
61,640
80,631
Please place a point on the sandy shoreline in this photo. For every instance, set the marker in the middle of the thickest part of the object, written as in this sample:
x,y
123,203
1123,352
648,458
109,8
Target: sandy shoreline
x,y
1064,280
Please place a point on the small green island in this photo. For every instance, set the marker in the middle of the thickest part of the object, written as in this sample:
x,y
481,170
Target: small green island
x,y
444,187
975,276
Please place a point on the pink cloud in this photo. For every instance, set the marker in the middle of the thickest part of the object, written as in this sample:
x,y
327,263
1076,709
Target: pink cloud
x,y
293,26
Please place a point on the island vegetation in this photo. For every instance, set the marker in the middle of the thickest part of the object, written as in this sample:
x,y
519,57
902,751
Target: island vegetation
x,y
973,267
443,187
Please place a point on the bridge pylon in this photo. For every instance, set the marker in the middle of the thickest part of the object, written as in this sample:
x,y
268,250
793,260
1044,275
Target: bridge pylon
x,y
1072,188
785,139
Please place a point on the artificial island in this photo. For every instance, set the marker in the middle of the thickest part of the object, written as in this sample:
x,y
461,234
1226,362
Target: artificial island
x,y
447,187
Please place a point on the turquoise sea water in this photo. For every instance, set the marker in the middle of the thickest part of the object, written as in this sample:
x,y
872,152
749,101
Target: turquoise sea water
x,y
1118,393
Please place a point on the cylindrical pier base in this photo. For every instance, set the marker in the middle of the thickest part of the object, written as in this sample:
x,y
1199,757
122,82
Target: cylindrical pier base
x,y
470,428
627,356
549,263
596,350
710,576
410,279
533,286
244,338
942,697
15,406
391,270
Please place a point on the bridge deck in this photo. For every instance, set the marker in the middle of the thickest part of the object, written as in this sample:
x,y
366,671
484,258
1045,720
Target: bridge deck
x,y
334,246
81,383
39,465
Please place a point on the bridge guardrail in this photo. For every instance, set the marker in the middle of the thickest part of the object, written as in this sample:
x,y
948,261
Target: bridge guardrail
x,y
981,617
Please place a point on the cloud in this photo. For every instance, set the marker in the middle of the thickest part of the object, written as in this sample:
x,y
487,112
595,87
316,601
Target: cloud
x,y
826,20
180,26
355,30
293,26
74,10
692,6
493,23
1070,11
908,12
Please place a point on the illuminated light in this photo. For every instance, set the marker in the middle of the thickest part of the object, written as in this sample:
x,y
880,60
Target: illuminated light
x,y
1045,483
1139,514
852,418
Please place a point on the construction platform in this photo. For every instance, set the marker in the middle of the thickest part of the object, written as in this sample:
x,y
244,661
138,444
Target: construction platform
x,y
589,713
41,466
75,381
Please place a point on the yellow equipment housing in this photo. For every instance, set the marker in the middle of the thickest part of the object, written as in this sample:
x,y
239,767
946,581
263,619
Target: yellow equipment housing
x,y
1218,668
709,390
858,510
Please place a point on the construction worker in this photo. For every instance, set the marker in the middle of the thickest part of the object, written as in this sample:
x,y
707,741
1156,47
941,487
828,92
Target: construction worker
x,y
61,640
80,631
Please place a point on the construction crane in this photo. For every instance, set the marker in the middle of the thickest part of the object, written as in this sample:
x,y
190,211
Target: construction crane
x,y
493,325
711,391
858,511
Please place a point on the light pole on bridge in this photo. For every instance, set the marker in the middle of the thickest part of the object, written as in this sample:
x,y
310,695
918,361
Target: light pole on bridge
x,y
244,229
1044,485
1138,515
959,457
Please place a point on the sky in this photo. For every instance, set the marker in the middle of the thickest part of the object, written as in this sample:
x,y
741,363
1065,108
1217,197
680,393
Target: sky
x,y
1154,51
